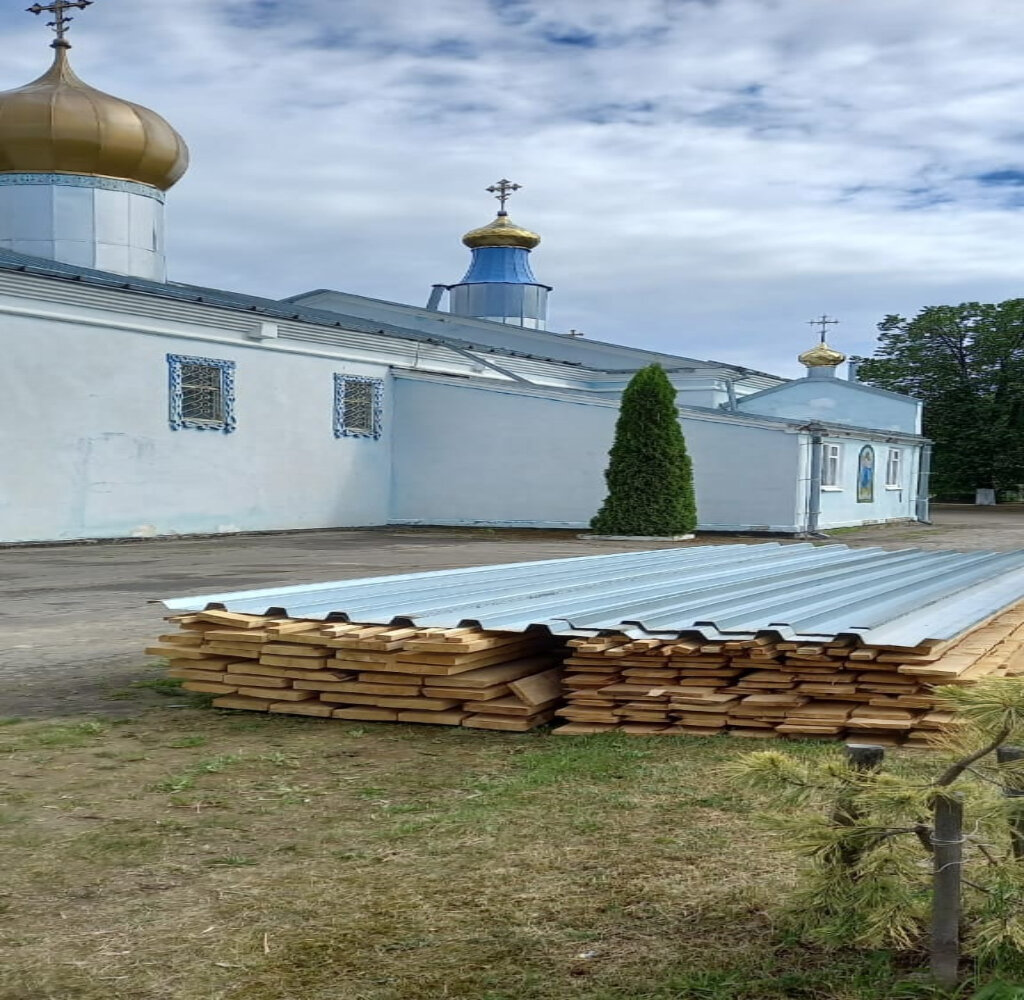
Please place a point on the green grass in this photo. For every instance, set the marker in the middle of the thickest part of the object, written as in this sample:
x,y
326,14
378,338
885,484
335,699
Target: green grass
x,y
197,854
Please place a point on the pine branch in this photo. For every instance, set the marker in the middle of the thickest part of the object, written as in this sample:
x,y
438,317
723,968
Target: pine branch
x,y
955,770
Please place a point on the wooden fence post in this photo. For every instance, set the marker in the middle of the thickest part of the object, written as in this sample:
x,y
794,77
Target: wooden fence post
x,y
1013,788
947,840
846,812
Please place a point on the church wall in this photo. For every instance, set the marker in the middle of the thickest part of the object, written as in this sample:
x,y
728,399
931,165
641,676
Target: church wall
x,y
837,401
465,454
840,507
88,450
469,455
746,478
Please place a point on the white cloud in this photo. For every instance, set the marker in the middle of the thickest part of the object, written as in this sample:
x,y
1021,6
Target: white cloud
x,y
706,175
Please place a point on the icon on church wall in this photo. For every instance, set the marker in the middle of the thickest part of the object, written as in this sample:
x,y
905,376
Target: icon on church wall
x,y
866,475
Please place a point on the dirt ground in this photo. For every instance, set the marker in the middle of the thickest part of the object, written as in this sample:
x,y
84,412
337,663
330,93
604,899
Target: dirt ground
x,y
76,618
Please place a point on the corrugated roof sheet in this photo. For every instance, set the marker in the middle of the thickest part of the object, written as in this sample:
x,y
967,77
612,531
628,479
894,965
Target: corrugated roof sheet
x,y
897,598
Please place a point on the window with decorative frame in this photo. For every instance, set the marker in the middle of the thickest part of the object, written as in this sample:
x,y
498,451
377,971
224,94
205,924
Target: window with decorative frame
x,y
831,462
894,468
358,406
202,393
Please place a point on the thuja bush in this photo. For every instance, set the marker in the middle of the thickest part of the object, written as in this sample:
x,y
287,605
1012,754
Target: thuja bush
x,y
649,475
871,859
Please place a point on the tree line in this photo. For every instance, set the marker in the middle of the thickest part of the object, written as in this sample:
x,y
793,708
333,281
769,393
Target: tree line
x,y
966,364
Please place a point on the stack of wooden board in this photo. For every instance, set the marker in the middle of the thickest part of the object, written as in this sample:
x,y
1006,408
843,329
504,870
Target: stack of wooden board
x,y
767,688
454,677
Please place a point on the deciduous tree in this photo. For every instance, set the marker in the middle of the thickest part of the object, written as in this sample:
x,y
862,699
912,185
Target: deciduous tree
x,y
966,363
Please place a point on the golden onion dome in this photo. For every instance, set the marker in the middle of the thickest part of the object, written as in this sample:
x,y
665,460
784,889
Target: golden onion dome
x,y
822,356
60,125
502,232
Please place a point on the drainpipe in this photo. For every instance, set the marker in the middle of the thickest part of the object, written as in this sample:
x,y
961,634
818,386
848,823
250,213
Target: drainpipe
x,y
923,512
730,387
434,302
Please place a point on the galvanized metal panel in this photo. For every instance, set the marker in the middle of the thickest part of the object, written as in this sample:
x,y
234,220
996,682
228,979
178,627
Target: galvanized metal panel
x,y
898,598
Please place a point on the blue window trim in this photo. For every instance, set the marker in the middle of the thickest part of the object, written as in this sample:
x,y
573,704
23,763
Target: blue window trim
x,y
340,384
227,384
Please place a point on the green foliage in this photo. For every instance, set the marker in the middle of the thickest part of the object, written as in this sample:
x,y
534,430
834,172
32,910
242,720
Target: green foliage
x,y
862,835
966,363
650,475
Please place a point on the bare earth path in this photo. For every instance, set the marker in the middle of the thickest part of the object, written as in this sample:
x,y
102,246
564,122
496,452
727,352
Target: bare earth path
x,y
74,619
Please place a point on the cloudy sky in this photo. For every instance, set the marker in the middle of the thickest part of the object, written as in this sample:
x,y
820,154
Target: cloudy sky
x,y
707,175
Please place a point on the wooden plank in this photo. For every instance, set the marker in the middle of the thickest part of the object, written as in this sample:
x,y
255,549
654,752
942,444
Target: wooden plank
x,y
208,687
367,714
251,651
235,635
238,701
315,708
514,650
419,704
391,690
210,676
370,700
292,649
301,662
452,718
234,619
538,689
253,680
382,677
582,729
505,723
500,673
288,694
467,694
505,706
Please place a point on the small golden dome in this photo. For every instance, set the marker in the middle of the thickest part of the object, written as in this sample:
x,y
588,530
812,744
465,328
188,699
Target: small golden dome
x,y
60,125
502,232
822,356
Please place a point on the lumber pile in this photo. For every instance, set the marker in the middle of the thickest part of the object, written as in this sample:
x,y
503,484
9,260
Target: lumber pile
x,y
767,688
451,677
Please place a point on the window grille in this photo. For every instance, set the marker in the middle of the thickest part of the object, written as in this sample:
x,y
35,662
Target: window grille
x,y
830,466
358,406
894,468
202,393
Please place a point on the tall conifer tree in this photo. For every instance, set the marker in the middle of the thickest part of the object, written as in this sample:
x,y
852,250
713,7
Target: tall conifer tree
x,y
649,476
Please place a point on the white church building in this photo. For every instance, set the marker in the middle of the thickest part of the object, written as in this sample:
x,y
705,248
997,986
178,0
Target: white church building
x,y
135,406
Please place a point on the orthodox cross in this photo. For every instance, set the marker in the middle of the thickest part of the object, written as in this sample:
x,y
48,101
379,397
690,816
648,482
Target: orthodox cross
x,y
503,191
824,322
61,21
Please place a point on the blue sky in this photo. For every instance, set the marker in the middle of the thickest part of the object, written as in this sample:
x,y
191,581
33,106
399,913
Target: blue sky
x,y
707,175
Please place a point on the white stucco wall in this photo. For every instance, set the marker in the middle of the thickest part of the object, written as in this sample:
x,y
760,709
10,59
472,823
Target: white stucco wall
x,y
464,454
837,401
88,451
839,505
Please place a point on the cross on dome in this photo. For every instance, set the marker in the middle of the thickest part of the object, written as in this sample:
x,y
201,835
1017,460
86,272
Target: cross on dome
x,y
824,321
821,356
503,191
61,21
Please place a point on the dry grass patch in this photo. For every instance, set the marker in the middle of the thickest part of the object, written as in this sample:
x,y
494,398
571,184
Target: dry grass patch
x,y
201,855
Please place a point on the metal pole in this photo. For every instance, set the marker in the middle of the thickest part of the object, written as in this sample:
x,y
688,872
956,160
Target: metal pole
x,y
947,840
923,511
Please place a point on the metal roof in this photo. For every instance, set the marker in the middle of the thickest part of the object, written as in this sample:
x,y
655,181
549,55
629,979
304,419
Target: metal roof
x,y
893,598
293,308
